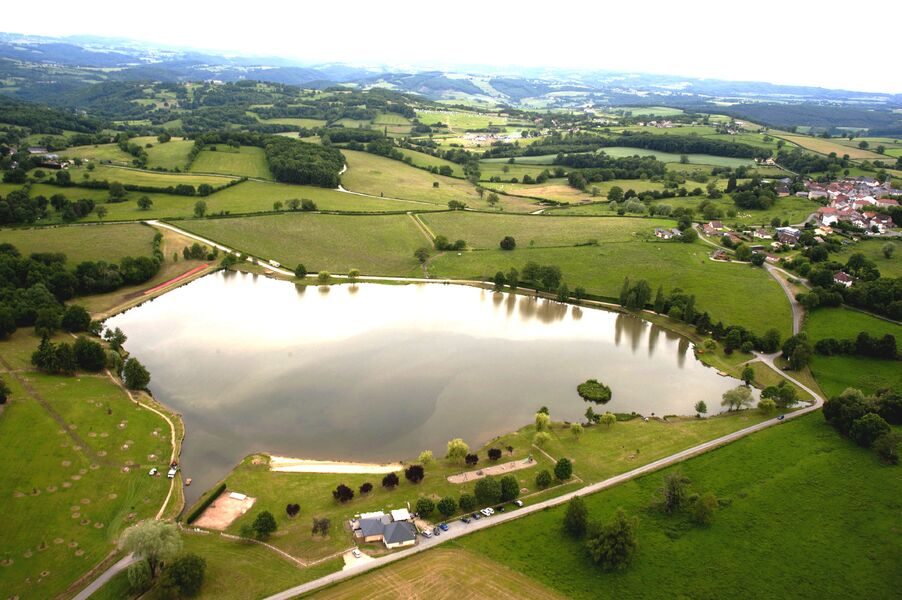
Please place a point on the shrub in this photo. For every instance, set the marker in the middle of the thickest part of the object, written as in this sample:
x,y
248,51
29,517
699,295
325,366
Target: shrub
x,y
447,506
508,243
494,454
543,479
391,480
467,502
563,470
264,525
576,519
424,507
612,546
865,430
343,493
366,488
414,473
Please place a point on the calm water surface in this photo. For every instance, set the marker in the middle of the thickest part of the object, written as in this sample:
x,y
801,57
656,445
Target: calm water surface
x,y
381,372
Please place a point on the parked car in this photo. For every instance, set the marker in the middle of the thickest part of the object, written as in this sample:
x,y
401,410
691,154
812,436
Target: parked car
x,y
356,552
476,516
499,508
436,531
443,526
153,472
426,533
519,503
465,519
490,510
781,417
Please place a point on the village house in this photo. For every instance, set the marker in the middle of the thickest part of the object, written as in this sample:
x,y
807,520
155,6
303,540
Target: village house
x,y
842,279
394,530
762,234
734,239
663,234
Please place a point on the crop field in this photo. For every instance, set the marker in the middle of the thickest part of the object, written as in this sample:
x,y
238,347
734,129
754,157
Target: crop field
x,y
441,575
421,159
246,161
377,245
736,294
695,159
84,242
78,486
377,175
148,178
825,146
461,121
779,487
553,189
485,231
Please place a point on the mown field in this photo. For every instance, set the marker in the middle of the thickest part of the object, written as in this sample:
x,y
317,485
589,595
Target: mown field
x,y
79,243
826,146
836,373
149,178
246,161
420,159
695,159
461,120
170,155
873,249
485,231
81,477
441,575
380,176
799,500
737,294
377,245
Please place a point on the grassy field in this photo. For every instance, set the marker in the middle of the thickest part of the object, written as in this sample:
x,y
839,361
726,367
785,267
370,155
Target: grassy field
x,y
657,111
873,249
246,161
79,243
171,155
598,454
553,189
377,175
421,159
149,178
83,478
441,575
488,170
98,152
377,245
485,231
457,121
799,501
300,122
234,571
825,146
737,294
836,373
695,159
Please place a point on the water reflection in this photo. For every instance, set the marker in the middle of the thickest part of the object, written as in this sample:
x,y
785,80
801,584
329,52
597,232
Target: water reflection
x,y
382,372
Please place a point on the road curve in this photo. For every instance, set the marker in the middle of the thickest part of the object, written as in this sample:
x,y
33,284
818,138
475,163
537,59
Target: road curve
x,y
458,529
104,577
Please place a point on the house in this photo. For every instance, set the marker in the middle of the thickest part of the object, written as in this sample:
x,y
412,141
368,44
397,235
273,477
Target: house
x,y
787,238
708,230
373,529
734,239
37,150
762,234
664,234
399,534
827,215
842,279
716,225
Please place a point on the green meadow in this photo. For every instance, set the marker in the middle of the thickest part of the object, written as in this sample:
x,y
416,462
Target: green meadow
x,y
85,477
246,161
796,501
84,242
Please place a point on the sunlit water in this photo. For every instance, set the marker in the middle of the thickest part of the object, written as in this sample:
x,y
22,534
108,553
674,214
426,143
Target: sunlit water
x,y
381,372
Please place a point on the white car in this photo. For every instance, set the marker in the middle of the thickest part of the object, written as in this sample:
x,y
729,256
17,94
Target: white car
x,y
153,472
356,552
426,533
518,503
172,472
491,511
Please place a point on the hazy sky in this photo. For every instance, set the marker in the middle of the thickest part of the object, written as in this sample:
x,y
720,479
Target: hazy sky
x,y
825,43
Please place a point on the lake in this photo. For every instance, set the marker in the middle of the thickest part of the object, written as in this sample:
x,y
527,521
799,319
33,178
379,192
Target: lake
x,y
376,372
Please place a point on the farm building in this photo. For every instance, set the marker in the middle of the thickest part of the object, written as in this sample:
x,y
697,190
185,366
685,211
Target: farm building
x,y
399,534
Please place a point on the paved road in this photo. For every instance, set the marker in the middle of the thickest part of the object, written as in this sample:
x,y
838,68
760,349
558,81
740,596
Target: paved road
x,y
458,529
98,583
798,312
